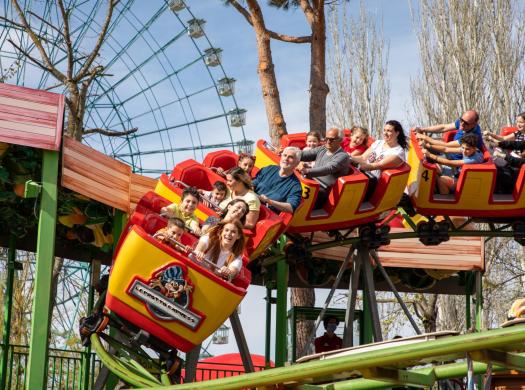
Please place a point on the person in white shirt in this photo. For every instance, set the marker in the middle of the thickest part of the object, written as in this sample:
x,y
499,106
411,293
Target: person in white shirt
x,y
223,245
386,153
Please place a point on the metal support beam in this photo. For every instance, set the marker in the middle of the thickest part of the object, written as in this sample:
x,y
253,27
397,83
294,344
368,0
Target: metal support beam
x,y
241,342
468,298
280,313
479,301
192,358
370,292
510,360
94,269
342,269
348,336
268,329
8,307
119,221
45,250
396,293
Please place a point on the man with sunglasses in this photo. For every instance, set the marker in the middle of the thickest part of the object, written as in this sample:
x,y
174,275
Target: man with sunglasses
x,y
468,123
331,162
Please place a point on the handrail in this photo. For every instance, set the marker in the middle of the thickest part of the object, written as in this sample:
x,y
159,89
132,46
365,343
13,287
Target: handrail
x,y
193,256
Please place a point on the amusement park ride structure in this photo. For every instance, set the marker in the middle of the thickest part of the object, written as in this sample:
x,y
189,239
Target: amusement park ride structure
x,y
358,233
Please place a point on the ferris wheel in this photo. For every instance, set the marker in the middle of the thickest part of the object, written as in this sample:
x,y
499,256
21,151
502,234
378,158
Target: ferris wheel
x,y
162,76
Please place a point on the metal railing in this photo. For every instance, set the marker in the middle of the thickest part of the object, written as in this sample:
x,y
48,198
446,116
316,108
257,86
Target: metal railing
x,y
78,370
206,371
66,369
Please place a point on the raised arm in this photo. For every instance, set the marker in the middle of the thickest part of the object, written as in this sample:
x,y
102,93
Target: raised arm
x,y
443,160
436,128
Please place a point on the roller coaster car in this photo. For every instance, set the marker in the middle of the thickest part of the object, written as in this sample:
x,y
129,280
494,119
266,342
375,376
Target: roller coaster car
x,y
474,195
346,206
165,293
267,229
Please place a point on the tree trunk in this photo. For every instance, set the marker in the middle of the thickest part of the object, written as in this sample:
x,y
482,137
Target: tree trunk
x,y
318,87
427,311
272,102
303,297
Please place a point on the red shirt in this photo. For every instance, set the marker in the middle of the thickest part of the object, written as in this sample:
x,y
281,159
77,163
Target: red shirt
x,y
326,343
348,149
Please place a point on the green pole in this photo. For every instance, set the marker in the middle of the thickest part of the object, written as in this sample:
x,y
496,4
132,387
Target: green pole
x,y
280,313
367,331
268,330
119,221
468,291
45,248
294,335
86,356
8,306
479,301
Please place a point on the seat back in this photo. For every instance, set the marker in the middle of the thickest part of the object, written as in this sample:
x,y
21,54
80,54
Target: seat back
x,y
507,130
449,135
153,202
297,139
194,174
225,159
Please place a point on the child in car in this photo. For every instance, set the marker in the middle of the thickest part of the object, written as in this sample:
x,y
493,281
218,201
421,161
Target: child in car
x,y
216,195
356,144
185,210
172,234
471,155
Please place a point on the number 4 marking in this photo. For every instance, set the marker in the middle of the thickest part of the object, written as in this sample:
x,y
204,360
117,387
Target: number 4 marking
x,y
425,175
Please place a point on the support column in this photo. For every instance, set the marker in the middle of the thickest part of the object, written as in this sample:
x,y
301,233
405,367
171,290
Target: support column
x,y
8,306
45,250
241,342
348,337
468,296
86,354
370,293
280,313
119,222
479,301
268,330
192,358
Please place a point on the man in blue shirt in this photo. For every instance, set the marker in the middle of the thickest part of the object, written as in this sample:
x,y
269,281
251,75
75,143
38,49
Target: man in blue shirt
x,y
468,123
277,186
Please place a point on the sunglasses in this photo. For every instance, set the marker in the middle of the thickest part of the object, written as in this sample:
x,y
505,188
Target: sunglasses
x,y
465,122
330,139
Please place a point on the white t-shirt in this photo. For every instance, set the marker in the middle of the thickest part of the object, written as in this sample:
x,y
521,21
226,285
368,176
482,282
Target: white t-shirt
x,y
235,264
379,152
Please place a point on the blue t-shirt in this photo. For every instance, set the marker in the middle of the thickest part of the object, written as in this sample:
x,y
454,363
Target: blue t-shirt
x,y
281,189
459,134
476,158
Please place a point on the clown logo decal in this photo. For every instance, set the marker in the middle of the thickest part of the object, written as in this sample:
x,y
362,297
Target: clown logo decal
x,y
167,296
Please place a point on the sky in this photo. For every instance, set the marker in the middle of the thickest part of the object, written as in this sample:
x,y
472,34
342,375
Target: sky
x,y
228,30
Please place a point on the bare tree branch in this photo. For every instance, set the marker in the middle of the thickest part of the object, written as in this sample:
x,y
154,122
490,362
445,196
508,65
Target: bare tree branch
x,y
47,62
29,56
45,22
89,61
110,133
272,34
67,39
